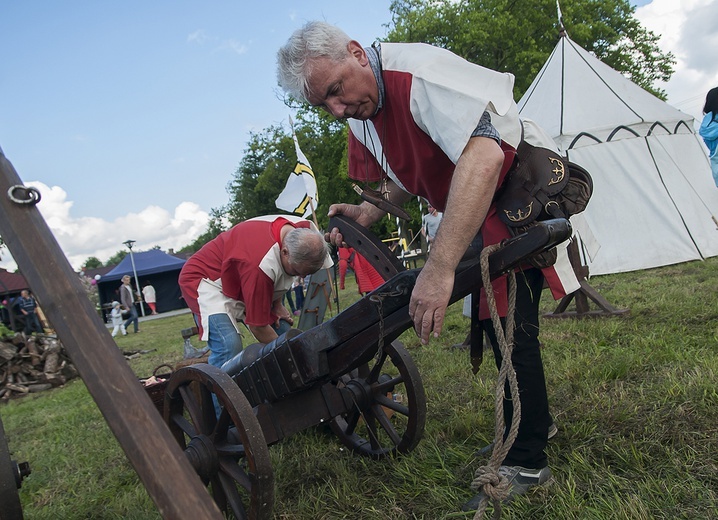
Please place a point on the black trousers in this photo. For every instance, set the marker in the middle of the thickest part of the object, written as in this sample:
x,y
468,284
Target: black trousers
x,y
528,448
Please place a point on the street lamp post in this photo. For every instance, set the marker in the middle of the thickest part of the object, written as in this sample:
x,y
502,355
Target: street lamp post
x,y
129,244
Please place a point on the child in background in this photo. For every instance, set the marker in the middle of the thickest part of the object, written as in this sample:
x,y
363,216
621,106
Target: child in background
x,y
116,316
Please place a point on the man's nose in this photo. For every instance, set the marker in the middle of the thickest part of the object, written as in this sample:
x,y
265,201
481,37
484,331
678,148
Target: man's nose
x,y
336,108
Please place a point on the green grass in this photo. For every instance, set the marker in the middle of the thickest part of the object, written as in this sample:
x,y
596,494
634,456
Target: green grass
x,y
634,397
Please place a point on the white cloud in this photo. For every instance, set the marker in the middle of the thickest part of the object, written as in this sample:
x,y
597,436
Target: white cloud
x,y
233,46
688,30
199,37
82,237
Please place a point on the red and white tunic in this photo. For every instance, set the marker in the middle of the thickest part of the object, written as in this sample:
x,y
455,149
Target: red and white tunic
x,y
240,272
433,102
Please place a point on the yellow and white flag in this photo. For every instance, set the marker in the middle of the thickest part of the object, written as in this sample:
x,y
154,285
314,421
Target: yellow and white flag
x,y
301,187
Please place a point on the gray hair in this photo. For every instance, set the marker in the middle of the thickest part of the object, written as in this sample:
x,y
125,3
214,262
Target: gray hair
x,y
306,247
294,60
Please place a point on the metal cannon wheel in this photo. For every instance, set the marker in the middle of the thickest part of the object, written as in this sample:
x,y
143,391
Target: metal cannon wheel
x,y
389,411
228,451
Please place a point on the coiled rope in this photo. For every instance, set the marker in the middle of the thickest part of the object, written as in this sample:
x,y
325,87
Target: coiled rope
x,y
487,478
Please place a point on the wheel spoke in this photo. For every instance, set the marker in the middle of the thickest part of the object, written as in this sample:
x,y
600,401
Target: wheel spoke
x,y
209,414
183,424
378,425
232,470
222,426
376,369
220,497
227,449
192,406
392,405
370,421
233,497
386,386
352,422
386,424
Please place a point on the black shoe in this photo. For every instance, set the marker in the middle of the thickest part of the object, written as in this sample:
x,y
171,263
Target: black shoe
x,y
486,450
520,481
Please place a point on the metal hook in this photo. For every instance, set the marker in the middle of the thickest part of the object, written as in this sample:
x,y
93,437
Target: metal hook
x,y
27,195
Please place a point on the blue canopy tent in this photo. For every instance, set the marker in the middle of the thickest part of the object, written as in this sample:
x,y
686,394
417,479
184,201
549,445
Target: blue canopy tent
x,y
154,266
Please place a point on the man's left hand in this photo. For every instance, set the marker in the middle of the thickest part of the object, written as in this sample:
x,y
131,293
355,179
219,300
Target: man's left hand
x,y
429,299
283,314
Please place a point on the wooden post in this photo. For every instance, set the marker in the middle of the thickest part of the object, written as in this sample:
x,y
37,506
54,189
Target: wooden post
x,y
150,447
583,294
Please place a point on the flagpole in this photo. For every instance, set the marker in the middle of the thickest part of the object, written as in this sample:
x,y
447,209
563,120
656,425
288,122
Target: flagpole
x,y
329,274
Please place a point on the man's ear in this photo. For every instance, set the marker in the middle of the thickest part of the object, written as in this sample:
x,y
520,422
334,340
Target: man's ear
x,y
357,51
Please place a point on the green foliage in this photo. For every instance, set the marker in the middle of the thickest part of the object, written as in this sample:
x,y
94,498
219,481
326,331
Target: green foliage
x,y
92,262
512,36
215,226
4,331
270,157
116,258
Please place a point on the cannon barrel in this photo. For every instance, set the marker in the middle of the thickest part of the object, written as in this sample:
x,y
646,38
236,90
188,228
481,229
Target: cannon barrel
x,y
297,360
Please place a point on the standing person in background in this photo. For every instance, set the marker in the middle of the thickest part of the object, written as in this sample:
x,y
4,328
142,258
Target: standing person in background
x,y
426,122
127,297
116,316
430,224
150,297
709,129
298,288
28,308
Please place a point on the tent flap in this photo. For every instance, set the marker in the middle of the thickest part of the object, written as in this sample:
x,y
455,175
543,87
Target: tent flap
x,y
654,201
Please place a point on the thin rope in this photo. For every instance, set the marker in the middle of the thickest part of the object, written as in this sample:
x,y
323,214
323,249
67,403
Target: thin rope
x,y
487,478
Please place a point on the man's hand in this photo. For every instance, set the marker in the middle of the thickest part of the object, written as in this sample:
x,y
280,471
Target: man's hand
x,y
282,313
472,187
429,300
364,214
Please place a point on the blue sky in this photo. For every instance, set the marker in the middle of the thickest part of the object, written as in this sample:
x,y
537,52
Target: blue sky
x,y
133,116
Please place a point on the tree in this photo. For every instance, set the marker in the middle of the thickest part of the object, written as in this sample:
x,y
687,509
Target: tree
x,y
270,157
92,262
215,226
513,36
116,258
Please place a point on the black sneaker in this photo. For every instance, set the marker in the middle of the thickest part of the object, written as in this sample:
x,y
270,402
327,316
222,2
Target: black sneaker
x,y
520,479
486,450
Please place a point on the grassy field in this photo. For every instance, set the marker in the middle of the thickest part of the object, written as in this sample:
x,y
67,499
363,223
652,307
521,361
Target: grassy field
x,y
634,398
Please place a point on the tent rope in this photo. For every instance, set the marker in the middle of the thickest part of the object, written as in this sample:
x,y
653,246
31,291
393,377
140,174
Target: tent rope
x,y
487,478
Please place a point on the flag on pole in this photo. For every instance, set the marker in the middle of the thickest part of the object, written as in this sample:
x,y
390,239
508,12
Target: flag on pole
x,y
301,185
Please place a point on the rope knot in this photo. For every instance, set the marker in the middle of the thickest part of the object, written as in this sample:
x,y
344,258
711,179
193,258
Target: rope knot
x,y
494,484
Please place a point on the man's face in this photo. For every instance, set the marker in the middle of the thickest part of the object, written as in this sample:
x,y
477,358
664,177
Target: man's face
x,y
126,280
293,269
344,89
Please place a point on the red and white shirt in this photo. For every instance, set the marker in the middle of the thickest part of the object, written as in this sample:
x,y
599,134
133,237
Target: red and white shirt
x,y
433,101
240,272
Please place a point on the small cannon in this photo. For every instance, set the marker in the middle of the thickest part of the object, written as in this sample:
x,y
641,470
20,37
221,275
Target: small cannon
x,y
349,372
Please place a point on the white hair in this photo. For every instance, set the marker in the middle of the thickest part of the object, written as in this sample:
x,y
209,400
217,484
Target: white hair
x,y
307,248
294,60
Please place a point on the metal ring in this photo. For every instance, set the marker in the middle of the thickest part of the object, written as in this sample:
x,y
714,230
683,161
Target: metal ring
x,y
28,195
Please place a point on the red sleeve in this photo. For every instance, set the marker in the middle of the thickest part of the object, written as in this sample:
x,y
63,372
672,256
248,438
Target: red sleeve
x,y
258,289
363,167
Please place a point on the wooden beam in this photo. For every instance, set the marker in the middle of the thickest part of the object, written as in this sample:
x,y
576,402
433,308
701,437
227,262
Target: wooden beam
x,y
155,455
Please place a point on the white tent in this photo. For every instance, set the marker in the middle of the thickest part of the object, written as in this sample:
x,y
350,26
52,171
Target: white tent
x,y
654,200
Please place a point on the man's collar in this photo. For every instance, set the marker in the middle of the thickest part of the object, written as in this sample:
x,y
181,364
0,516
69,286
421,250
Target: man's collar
x,y
374,55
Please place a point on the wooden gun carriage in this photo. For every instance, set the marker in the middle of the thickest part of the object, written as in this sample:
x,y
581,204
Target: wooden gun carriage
x,y
350,372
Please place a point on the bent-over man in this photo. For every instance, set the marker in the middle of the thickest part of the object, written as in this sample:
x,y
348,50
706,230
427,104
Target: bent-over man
x,y
242,275
426,122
